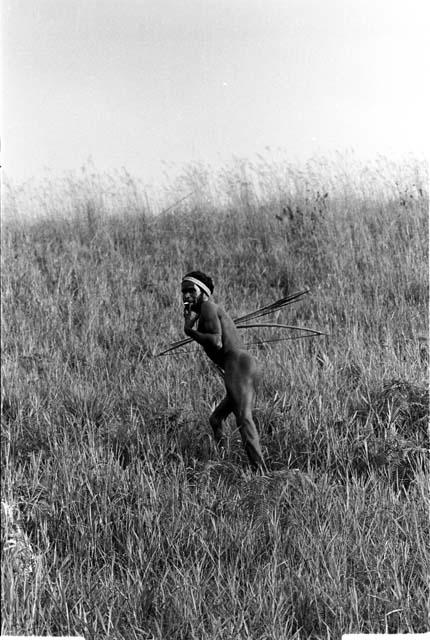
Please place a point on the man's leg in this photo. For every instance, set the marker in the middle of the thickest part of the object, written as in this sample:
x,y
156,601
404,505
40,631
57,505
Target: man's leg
x,y
240,381
248,431
216,421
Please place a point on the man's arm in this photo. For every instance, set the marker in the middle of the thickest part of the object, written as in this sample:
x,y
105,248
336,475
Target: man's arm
x,y
211,337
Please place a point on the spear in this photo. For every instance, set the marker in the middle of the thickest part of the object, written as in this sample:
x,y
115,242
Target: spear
x,y
279,326
273,306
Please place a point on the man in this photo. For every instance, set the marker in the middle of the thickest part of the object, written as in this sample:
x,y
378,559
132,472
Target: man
x,y
217,334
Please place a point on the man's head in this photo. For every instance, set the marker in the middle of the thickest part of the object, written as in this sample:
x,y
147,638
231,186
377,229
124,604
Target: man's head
x,y
196,287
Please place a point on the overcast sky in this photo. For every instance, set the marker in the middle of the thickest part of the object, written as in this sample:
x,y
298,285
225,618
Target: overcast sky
x,y
135,82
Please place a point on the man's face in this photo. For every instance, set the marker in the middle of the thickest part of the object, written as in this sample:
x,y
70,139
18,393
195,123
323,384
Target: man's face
x,y
191,294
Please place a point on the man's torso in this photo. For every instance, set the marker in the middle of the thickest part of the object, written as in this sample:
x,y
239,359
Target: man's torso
x,y
231,341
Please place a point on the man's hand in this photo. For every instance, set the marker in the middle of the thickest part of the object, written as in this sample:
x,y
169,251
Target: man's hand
x,y
190,318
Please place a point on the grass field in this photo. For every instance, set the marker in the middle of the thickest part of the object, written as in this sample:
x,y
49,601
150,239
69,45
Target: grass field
x,y
118,519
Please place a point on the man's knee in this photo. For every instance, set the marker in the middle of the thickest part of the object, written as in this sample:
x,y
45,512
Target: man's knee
x,y
247,428
245,421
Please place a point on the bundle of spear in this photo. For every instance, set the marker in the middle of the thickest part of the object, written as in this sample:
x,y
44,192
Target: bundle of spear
x,y
259,313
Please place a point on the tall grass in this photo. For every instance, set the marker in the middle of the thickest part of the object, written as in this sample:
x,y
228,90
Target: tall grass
x,y
118,519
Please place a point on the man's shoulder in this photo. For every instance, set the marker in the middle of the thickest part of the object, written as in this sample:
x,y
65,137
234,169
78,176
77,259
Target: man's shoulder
x,y
209,307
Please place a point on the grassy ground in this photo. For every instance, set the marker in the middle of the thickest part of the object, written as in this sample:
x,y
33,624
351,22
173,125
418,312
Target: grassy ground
x,y
118,519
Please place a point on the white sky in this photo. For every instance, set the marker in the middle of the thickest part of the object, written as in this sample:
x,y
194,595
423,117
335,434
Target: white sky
x,y
135,82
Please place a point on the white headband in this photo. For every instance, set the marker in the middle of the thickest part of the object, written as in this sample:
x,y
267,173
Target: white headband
x,y
198,283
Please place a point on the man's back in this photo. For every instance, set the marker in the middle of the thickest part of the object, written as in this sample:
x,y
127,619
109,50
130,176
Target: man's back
x,y
214,318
